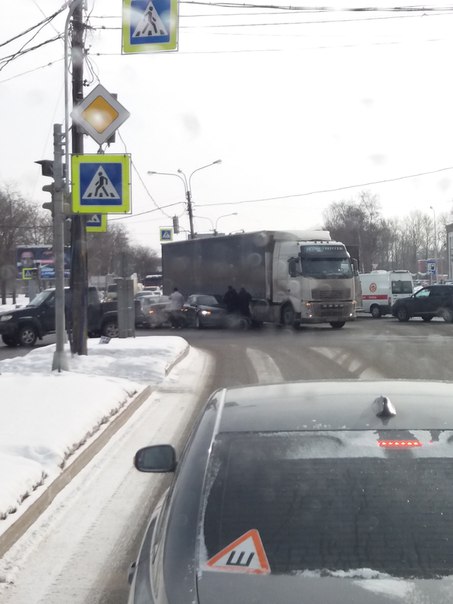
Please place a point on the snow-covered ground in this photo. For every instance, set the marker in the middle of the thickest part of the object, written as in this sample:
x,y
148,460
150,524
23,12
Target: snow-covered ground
x,y
46,417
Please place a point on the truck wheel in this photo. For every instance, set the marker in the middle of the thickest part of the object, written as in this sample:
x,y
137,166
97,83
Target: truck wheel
x,y
375,312
110,329
287,315
402,314
10,340
27,335
337,324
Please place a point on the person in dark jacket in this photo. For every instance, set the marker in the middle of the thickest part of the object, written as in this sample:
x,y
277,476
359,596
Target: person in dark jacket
x,y
231,300
244,299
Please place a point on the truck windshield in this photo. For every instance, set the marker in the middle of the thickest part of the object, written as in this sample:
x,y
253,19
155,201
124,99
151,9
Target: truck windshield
x,y
327,268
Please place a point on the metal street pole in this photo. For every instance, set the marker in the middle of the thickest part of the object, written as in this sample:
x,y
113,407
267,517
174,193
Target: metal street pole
x,y
59,362
435,245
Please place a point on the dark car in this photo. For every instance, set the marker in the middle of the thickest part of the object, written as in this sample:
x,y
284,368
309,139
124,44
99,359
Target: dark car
x,y
202,310
153,311
307,492
427,303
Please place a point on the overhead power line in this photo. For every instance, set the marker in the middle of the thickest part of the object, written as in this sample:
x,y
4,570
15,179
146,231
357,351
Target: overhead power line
x,y
43,22
319,191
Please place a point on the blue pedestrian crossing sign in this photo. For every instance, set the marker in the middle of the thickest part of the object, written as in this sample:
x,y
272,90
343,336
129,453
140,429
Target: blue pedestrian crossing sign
x,y
97,223
149,25
166,234
100,184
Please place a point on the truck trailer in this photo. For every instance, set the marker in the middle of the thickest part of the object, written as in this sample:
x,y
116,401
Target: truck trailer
x,y
294,277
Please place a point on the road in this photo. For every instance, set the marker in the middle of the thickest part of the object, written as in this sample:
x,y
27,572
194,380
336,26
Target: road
x,y
104,511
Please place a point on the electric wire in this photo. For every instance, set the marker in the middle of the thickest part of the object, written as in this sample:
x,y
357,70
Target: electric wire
x,y
320,191
142,181
18,75
44,22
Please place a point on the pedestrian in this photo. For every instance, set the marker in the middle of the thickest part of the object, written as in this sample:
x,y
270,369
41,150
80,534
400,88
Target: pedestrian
x,y
244,299
176,304
231,300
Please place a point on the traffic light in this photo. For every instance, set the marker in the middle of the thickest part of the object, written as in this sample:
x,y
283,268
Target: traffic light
x,y
47,170
176,224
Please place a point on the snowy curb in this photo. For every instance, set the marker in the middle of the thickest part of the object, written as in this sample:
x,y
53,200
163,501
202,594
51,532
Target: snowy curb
x,y
29,516
182,355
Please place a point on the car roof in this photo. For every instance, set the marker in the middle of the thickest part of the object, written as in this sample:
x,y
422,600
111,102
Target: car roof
x,y
335,405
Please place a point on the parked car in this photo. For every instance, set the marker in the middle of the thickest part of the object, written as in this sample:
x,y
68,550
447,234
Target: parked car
x,y
427,303
202,310
23,326
320,492
153,311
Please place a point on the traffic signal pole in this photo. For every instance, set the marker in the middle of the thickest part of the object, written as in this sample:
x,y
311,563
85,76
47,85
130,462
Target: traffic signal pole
x,y
59,362
79,262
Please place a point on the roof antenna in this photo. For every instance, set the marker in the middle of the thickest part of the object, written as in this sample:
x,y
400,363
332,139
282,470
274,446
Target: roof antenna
x,y
386,407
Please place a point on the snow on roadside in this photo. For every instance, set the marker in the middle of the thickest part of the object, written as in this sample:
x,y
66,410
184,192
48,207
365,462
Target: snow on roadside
x,y
47,416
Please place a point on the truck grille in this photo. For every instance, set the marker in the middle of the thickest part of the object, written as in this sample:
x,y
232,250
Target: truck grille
x,y
331,294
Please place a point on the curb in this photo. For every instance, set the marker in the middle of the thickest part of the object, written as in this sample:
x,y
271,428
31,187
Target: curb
x,y
182,355
31,514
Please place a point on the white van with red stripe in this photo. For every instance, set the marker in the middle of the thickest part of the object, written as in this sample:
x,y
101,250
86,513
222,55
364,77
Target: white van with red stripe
x,y
381,289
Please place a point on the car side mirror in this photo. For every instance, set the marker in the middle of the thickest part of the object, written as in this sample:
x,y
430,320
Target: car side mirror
x,y
156,458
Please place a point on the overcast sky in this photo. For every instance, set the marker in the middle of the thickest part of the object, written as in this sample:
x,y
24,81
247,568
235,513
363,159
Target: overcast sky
x,y
292,103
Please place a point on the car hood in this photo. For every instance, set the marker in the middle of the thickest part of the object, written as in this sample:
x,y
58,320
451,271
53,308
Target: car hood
x,y
362,587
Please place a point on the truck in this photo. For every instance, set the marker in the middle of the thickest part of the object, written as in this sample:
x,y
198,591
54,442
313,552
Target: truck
x,y
294,277
381,289
24,325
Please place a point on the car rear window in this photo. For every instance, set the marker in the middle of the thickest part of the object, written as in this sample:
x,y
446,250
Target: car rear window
x,y
335,501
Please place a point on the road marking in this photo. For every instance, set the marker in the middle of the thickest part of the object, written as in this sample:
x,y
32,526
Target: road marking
x,y
264,366
349,362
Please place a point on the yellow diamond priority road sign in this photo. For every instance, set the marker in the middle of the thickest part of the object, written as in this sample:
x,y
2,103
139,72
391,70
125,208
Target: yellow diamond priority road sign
x,y
100,114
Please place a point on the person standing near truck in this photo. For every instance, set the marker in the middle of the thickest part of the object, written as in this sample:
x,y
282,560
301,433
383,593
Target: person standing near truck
x,y
244,299
176,304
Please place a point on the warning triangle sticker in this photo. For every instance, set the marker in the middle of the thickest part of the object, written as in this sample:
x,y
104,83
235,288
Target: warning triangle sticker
x,y
245,555
100,187
150,24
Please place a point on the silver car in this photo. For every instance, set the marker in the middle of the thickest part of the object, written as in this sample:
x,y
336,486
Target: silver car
x,y
153,311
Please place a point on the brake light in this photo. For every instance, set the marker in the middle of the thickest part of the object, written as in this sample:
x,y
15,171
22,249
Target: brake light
x,y
399,444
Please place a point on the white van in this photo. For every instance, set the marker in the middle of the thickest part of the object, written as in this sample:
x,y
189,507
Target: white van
x,y
381,289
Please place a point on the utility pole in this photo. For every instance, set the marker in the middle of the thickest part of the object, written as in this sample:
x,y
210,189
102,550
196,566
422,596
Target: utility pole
x,y
79,261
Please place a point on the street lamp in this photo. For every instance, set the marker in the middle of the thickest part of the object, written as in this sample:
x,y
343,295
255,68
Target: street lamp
x,y
214,226
187,187
223,216
435,244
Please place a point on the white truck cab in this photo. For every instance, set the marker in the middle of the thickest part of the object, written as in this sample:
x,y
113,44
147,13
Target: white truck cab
x,y
381,289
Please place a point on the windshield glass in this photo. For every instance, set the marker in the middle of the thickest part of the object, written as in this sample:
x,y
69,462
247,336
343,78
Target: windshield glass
x,y
40,298
323,268
336,501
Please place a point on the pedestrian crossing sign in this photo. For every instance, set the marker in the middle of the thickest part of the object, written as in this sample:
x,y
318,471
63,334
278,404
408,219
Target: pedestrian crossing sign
x,y
166,234
97,223
100,184
149,26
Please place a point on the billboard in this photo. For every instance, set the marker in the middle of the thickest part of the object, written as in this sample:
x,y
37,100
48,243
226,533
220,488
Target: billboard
x,y
40,257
